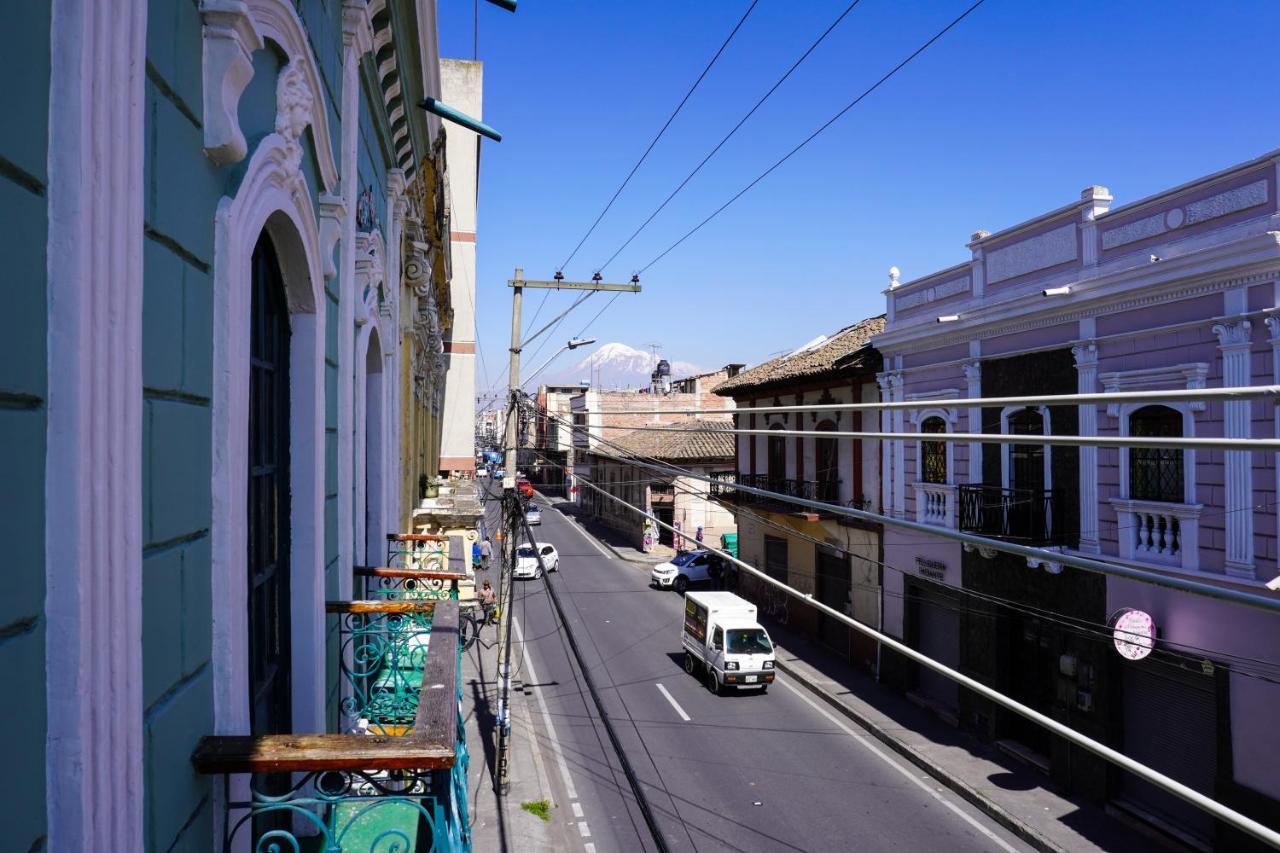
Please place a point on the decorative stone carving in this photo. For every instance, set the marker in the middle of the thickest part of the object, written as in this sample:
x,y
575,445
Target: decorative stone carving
x,y
1273,328
932,294
1230,201
893,278
1202,210
293,110
332,211
1233,334
1085,354
972,372
230,38
1035,253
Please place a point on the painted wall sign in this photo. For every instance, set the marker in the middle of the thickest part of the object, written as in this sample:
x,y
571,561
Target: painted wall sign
x,y
931,569
1134,633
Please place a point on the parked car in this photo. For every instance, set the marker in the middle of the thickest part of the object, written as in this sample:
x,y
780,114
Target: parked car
x,y
722,639
687,568
527,560
499,473
532,514
524,487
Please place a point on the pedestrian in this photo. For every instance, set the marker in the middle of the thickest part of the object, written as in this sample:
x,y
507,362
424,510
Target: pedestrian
x,y
698,534
486,551
476,554
488,598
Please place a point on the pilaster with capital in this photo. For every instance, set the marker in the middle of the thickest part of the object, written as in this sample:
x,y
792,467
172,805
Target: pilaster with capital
x,y
1086,358
973,381
1234,342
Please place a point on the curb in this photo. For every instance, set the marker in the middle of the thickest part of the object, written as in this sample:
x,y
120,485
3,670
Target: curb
x,y
968,793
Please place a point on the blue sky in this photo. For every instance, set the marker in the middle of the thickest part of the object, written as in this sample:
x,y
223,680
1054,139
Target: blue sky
x,y
1010,115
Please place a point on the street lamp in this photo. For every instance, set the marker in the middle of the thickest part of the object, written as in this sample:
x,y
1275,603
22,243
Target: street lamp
x,y
571,344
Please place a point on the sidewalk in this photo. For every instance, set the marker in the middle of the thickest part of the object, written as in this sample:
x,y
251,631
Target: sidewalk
x,y
1024,801
499,823
616,542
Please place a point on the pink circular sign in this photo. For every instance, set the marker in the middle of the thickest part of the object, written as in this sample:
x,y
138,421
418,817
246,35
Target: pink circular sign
x,y
1134,634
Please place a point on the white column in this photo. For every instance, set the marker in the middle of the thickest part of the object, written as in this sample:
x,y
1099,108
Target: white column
x,y
93,463
1234,343
357,39
1273,330
899,450
973,379
398,207
1086,356
886,464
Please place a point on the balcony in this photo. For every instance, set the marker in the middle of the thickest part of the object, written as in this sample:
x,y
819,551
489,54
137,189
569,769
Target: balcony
x,y
1160,533
936,504
394,774
724,484
1025,516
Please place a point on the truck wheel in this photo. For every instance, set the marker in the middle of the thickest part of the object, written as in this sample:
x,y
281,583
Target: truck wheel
x,y
681,584
689,663
712,683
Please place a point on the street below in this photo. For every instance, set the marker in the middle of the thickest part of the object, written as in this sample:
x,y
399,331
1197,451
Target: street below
x,y
742,771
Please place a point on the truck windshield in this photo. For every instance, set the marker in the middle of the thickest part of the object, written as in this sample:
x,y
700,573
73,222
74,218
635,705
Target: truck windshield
x,y
751,641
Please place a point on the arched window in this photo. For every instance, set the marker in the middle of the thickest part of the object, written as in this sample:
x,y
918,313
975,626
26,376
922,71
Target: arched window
x,y
933,454
1026,461
1156,474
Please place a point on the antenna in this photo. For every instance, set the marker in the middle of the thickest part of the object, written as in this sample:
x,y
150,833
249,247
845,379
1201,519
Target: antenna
x,y
654,348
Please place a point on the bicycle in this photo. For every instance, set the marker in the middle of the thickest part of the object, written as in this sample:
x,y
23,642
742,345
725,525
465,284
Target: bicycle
x,y
471,622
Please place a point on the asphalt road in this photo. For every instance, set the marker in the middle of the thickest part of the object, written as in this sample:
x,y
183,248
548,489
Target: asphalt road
x,y
745,771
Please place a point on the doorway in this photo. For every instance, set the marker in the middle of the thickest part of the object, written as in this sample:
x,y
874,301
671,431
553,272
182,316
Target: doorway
x,y
834,585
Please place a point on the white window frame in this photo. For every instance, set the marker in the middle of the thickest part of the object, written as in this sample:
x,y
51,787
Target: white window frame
x,y
1125,411
1006,451
921,488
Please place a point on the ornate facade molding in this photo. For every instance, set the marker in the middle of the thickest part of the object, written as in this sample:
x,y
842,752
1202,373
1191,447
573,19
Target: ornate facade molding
x,y
233,30
230,38
1233,335
1190,376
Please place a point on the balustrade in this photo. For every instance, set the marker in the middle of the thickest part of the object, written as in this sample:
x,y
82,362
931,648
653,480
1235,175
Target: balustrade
x,y
1158,532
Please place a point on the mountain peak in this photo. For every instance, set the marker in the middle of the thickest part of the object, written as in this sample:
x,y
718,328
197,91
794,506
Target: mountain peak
x,y
618,365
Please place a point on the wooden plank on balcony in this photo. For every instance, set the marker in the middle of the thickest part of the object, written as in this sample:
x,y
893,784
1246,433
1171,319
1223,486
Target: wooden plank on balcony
x,y
414,606
316,752
437,719
394,572
416,537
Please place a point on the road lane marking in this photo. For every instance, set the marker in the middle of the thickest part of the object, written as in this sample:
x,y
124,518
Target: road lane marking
x,y
587,536
909,774
583,830
546,713
674,703
577,809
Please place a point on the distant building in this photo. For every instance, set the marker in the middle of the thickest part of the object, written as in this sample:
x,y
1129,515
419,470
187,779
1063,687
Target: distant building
x,y
833,558
672,499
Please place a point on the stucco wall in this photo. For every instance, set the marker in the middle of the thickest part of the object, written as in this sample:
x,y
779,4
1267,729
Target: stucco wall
x,y
23,390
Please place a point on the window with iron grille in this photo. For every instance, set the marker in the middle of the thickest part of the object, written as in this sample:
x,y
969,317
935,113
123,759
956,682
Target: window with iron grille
x,y
1156,474
933,454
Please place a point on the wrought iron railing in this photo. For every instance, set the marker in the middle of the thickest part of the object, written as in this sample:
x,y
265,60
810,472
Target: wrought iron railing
x,y
398,785
391,583
420,551
1021,515
825,490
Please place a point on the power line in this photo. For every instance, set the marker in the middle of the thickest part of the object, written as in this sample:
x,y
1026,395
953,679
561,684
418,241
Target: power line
x,y
663,130
1114,756
816,133
1092,564
732,131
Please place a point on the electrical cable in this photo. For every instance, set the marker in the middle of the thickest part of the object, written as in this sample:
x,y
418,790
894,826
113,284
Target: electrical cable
x,y
696,169
816,133
633,781
1114,756
663,130
629,454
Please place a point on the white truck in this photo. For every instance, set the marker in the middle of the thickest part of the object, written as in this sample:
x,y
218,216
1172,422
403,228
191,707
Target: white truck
x,y
723,642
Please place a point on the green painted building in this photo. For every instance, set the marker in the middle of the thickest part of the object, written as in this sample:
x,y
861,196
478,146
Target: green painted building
x,y
209,357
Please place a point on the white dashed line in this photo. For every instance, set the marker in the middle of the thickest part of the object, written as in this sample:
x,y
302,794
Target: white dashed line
x,y
674,703
577,809
883,756
546,713
583,830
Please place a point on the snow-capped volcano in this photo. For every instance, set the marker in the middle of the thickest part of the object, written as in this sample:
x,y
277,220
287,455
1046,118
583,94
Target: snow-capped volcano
x,y
617,365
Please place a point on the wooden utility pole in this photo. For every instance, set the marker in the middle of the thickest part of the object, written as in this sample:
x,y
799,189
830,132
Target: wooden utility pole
x,y
512,511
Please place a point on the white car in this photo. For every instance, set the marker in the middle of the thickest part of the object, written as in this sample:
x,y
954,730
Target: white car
x,y
527,560
689,567
533,515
